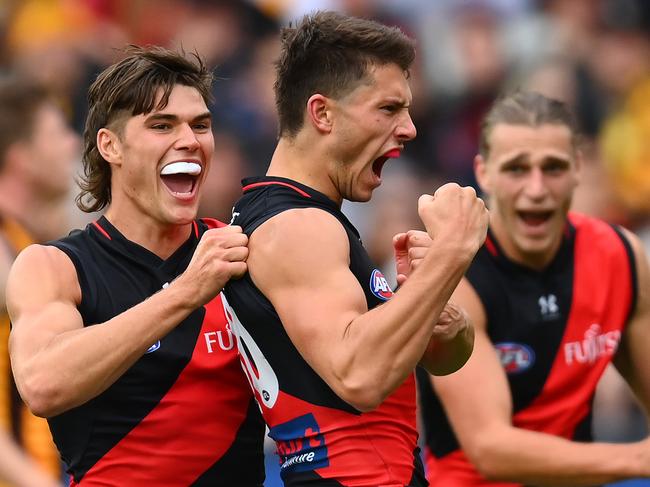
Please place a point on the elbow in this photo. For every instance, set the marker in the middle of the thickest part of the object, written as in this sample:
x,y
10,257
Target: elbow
x,y
482,455
41,397
361,395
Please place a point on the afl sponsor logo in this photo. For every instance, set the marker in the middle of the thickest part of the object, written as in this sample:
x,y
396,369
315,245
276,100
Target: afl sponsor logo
x,y
379,286
515,357
153,347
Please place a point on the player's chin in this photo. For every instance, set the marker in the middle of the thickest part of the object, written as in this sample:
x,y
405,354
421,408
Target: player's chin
x,y
364,193
182,215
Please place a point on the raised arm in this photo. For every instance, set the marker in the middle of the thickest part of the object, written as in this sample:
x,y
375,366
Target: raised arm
x,y
479,406
452,340
57,362
300,260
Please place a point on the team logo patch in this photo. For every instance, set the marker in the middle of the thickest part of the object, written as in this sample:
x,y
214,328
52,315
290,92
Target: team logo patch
x,y
379,286
515,357
153,347
301,445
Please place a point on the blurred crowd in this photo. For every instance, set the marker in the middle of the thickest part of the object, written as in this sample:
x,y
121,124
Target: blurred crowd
x,y
593,54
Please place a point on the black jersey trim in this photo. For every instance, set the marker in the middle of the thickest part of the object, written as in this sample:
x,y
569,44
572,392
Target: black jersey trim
x,y
633,272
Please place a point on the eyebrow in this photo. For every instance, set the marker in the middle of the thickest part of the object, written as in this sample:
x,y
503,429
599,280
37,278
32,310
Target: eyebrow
x,y
174,118
517,159
557,160
396,100
523,158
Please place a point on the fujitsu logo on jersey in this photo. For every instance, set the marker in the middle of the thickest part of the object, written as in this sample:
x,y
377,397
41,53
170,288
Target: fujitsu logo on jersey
x,y
379,286
515,357
223,338
595,345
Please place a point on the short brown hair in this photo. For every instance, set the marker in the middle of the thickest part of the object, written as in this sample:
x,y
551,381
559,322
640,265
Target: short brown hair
x,y
20,101
129,88
331,53
524,108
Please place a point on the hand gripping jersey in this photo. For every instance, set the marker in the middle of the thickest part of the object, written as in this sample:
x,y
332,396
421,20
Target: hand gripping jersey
x,y
321,440
555,331
183,414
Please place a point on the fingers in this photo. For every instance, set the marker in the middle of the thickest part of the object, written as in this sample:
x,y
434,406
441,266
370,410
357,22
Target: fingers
x,y
418,238
236,270
226,237
400,242
401,279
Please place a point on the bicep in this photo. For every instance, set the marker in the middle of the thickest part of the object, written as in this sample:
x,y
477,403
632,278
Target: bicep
x,y
632,359
42,292
300,262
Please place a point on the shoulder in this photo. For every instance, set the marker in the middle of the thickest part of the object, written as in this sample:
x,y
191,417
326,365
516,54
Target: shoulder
x,y
594,230
39,260
298,242
295,226
44,270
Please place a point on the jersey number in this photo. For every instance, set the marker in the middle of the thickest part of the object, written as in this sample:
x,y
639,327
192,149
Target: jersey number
x,y
260,374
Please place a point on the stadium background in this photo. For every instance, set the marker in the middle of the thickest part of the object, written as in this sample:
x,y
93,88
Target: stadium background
x,y
594,54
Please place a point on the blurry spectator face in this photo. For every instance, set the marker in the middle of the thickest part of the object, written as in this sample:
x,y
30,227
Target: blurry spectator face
x,y
370,125
530,175
52,153
159,159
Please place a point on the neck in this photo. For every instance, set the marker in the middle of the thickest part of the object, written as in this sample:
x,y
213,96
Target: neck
x,y
537,261
160,239
301,159
44,218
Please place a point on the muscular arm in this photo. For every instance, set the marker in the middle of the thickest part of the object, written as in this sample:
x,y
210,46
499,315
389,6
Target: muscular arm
x,y
633,359
57,362
478,403
300,260
452,340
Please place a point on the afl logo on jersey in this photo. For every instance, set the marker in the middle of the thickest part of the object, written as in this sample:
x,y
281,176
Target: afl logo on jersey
x,y
515,357
379,286
153,347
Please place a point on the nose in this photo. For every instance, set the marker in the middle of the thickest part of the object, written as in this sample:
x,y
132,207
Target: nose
x,y
187,139
535,187
406,128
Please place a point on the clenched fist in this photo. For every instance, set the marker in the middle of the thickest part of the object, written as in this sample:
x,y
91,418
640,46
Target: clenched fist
x,y
455,216
220,255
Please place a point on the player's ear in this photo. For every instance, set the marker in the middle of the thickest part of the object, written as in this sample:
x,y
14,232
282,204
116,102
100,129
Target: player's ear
x,y
579,165
108,145
319,112
480,172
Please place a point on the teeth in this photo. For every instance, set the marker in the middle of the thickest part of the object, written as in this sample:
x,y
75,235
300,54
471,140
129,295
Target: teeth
x,y
182,167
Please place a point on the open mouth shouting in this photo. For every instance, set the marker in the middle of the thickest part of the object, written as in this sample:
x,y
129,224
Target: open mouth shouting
x,y
180,178
535,220
378,163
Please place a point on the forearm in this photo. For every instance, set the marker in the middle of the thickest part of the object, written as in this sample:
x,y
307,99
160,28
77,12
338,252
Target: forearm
x,y
444,357
385,344
79,364
540,459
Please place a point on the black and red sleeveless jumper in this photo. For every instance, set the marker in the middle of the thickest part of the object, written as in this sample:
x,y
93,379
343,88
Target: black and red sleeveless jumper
x,y
554,330
183,413
321,439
